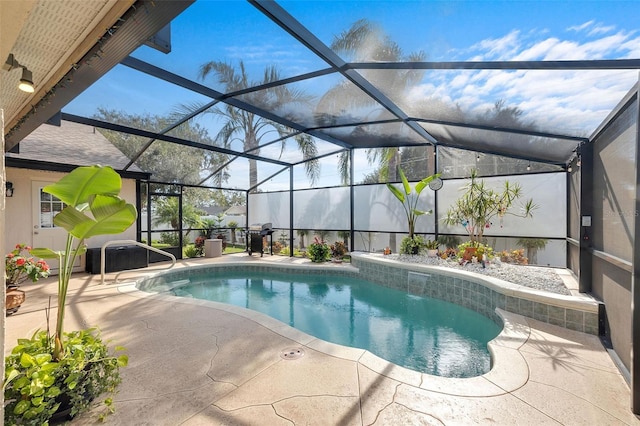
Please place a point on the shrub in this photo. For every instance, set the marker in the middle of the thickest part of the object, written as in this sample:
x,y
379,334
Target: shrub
x,y
192,251
170,238
318,251
35,383
20,266
481,249
514,256
276,247
338,249
199,245
413,245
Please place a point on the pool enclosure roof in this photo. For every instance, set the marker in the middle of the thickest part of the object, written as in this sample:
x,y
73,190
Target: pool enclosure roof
x,y
365,87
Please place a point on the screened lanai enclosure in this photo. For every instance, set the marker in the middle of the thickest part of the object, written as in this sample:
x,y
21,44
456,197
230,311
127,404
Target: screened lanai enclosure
x,y
265,106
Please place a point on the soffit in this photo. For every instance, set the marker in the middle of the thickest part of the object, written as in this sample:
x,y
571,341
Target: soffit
x,y
49,38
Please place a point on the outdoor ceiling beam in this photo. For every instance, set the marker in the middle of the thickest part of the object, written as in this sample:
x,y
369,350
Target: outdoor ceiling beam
x,y
501,129
503,154
322,156
166,138
223,166
281,82
168,129
601,64
172,78
251,188
288,23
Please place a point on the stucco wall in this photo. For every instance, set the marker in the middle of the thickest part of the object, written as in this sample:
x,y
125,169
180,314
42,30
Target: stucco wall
x,y
19,208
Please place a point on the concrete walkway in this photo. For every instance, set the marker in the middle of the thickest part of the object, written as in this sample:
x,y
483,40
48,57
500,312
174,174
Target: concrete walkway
x,y
204,363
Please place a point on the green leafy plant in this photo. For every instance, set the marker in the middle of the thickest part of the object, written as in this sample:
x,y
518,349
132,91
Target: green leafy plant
x,y
318,251
431,244
191,251
480,250
410,199
36,385
74,364
338,250
20,266
413,245
479,205
92,189
233,225
514,256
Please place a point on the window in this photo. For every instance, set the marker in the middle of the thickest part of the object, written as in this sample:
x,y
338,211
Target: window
x,y
49,207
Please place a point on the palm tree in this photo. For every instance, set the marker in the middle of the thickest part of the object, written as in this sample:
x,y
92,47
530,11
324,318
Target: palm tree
x,y
365,41
251,128
345,235
167,211
302,233
532,245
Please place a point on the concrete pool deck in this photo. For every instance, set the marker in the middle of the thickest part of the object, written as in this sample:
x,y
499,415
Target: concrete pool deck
x,y
202,363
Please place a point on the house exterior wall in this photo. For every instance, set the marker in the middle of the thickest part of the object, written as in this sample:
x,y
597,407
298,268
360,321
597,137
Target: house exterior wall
x,y
19,208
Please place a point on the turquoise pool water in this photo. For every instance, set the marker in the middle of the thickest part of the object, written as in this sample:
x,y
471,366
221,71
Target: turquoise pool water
x,y
423,334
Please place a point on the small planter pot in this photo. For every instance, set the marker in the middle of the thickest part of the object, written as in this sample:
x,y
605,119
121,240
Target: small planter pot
x,y
469,252
336,260
432,253
14,299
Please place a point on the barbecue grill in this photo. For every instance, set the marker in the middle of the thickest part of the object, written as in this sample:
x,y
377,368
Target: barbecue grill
x,y
255,234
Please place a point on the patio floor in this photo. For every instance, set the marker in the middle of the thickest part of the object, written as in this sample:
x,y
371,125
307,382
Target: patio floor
x,y
203,363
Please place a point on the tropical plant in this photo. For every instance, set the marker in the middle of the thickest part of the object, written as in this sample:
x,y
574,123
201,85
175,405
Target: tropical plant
x,y
36,385
233,225
479,205
410,199
412,245
20,266
210,226
364,41
318,251
514,256
338,250
532,245
91,189
167,210
191,251
431,244
479,249
302,233
250,127
199,245
345,235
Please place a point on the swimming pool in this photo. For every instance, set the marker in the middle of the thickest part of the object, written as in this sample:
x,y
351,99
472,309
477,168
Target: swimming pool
x,y
423,334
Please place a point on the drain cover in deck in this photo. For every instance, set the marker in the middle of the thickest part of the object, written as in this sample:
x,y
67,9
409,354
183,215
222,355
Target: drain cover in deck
x,y
292,353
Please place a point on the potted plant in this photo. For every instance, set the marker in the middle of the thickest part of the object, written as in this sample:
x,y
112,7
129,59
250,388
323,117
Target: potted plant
x,y
46,372
412,246
338,250
318,251
409,202
432,247
20,266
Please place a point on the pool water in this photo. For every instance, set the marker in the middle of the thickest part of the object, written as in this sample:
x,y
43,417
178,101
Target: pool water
x,y
420,333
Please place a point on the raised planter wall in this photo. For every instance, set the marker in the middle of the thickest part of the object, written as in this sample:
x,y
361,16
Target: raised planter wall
x,y
479,293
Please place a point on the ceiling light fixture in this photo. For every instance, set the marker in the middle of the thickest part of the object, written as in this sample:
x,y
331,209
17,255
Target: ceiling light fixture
x,y
26,81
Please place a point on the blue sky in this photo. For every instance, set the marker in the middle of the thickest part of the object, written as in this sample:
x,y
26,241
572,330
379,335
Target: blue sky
x,y
444,30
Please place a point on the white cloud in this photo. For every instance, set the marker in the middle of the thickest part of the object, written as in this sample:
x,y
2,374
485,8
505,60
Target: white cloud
x,y
581,27
561,101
